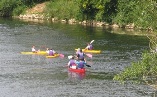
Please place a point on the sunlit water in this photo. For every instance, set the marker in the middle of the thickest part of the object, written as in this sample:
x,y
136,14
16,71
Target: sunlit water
x,y
37,76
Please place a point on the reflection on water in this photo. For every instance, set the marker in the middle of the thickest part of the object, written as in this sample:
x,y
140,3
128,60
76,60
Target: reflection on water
x,y
73,76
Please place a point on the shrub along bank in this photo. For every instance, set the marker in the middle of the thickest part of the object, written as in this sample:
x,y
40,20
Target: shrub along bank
x,y
142,71
142,14
139,13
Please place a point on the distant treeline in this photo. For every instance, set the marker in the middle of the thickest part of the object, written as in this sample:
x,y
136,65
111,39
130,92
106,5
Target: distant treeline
x,y
143,13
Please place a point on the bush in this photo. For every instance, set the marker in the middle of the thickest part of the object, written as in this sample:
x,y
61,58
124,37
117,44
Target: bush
x,y
19,10
63,9
147,67
6,7
141,13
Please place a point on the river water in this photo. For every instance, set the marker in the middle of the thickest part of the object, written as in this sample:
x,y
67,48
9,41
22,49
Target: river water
x,y
37,76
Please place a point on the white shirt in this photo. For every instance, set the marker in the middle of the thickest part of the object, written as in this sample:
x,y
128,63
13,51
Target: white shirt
x,y
33,50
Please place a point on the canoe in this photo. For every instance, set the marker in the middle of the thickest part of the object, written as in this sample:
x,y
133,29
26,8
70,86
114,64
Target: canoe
x,y
39,53
77,70
56,55
90,51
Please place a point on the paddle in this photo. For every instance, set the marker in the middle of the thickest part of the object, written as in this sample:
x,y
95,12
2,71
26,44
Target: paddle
x,y
69,57
91,42
89,55
88,65
61,55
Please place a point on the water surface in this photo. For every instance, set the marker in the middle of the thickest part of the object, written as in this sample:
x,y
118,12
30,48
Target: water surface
x,y
37,76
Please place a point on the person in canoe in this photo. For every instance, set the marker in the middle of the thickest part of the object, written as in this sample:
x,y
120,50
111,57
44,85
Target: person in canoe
x,y
81,64
78,51
72,63
47,50
89,47
33,49
80,55
51,52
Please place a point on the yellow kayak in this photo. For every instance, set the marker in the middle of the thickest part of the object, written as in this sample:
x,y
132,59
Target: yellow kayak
x,y
90,51
56,55
39,53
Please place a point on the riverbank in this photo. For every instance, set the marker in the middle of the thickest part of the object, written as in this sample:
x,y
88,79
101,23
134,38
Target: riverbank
x,y
36,14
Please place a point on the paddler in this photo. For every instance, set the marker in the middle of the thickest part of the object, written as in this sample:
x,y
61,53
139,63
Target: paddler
x,y
78,51
51,52
72,63
47,50
33,49
80,64
80,55
89,47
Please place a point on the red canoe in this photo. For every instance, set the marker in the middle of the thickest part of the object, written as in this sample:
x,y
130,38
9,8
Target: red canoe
x,y
77,70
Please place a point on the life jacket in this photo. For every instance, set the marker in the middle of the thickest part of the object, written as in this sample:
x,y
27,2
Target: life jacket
x,y
33,50
90,47
51,53
81,55
81,64
72,62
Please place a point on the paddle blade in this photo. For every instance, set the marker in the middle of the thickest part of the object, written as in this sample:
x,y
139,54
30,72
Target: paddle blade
x,y
91,41
61,55
89,55
69,57
88,65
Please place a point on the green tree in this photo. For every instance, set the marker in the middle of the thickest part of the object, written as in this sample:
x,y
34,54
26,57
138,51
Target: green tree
x,y
110,11
142,13
7,6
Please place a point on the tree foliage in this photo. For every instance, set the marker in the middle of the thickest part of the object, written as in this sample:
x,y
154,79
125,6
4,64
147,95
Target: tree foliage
x,y
6,7
15,7
141,13
123,12
141,70
63,9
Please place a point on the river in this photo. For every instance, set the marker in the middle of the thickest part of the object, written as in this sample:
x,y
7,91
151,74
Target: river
x,y
38,76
